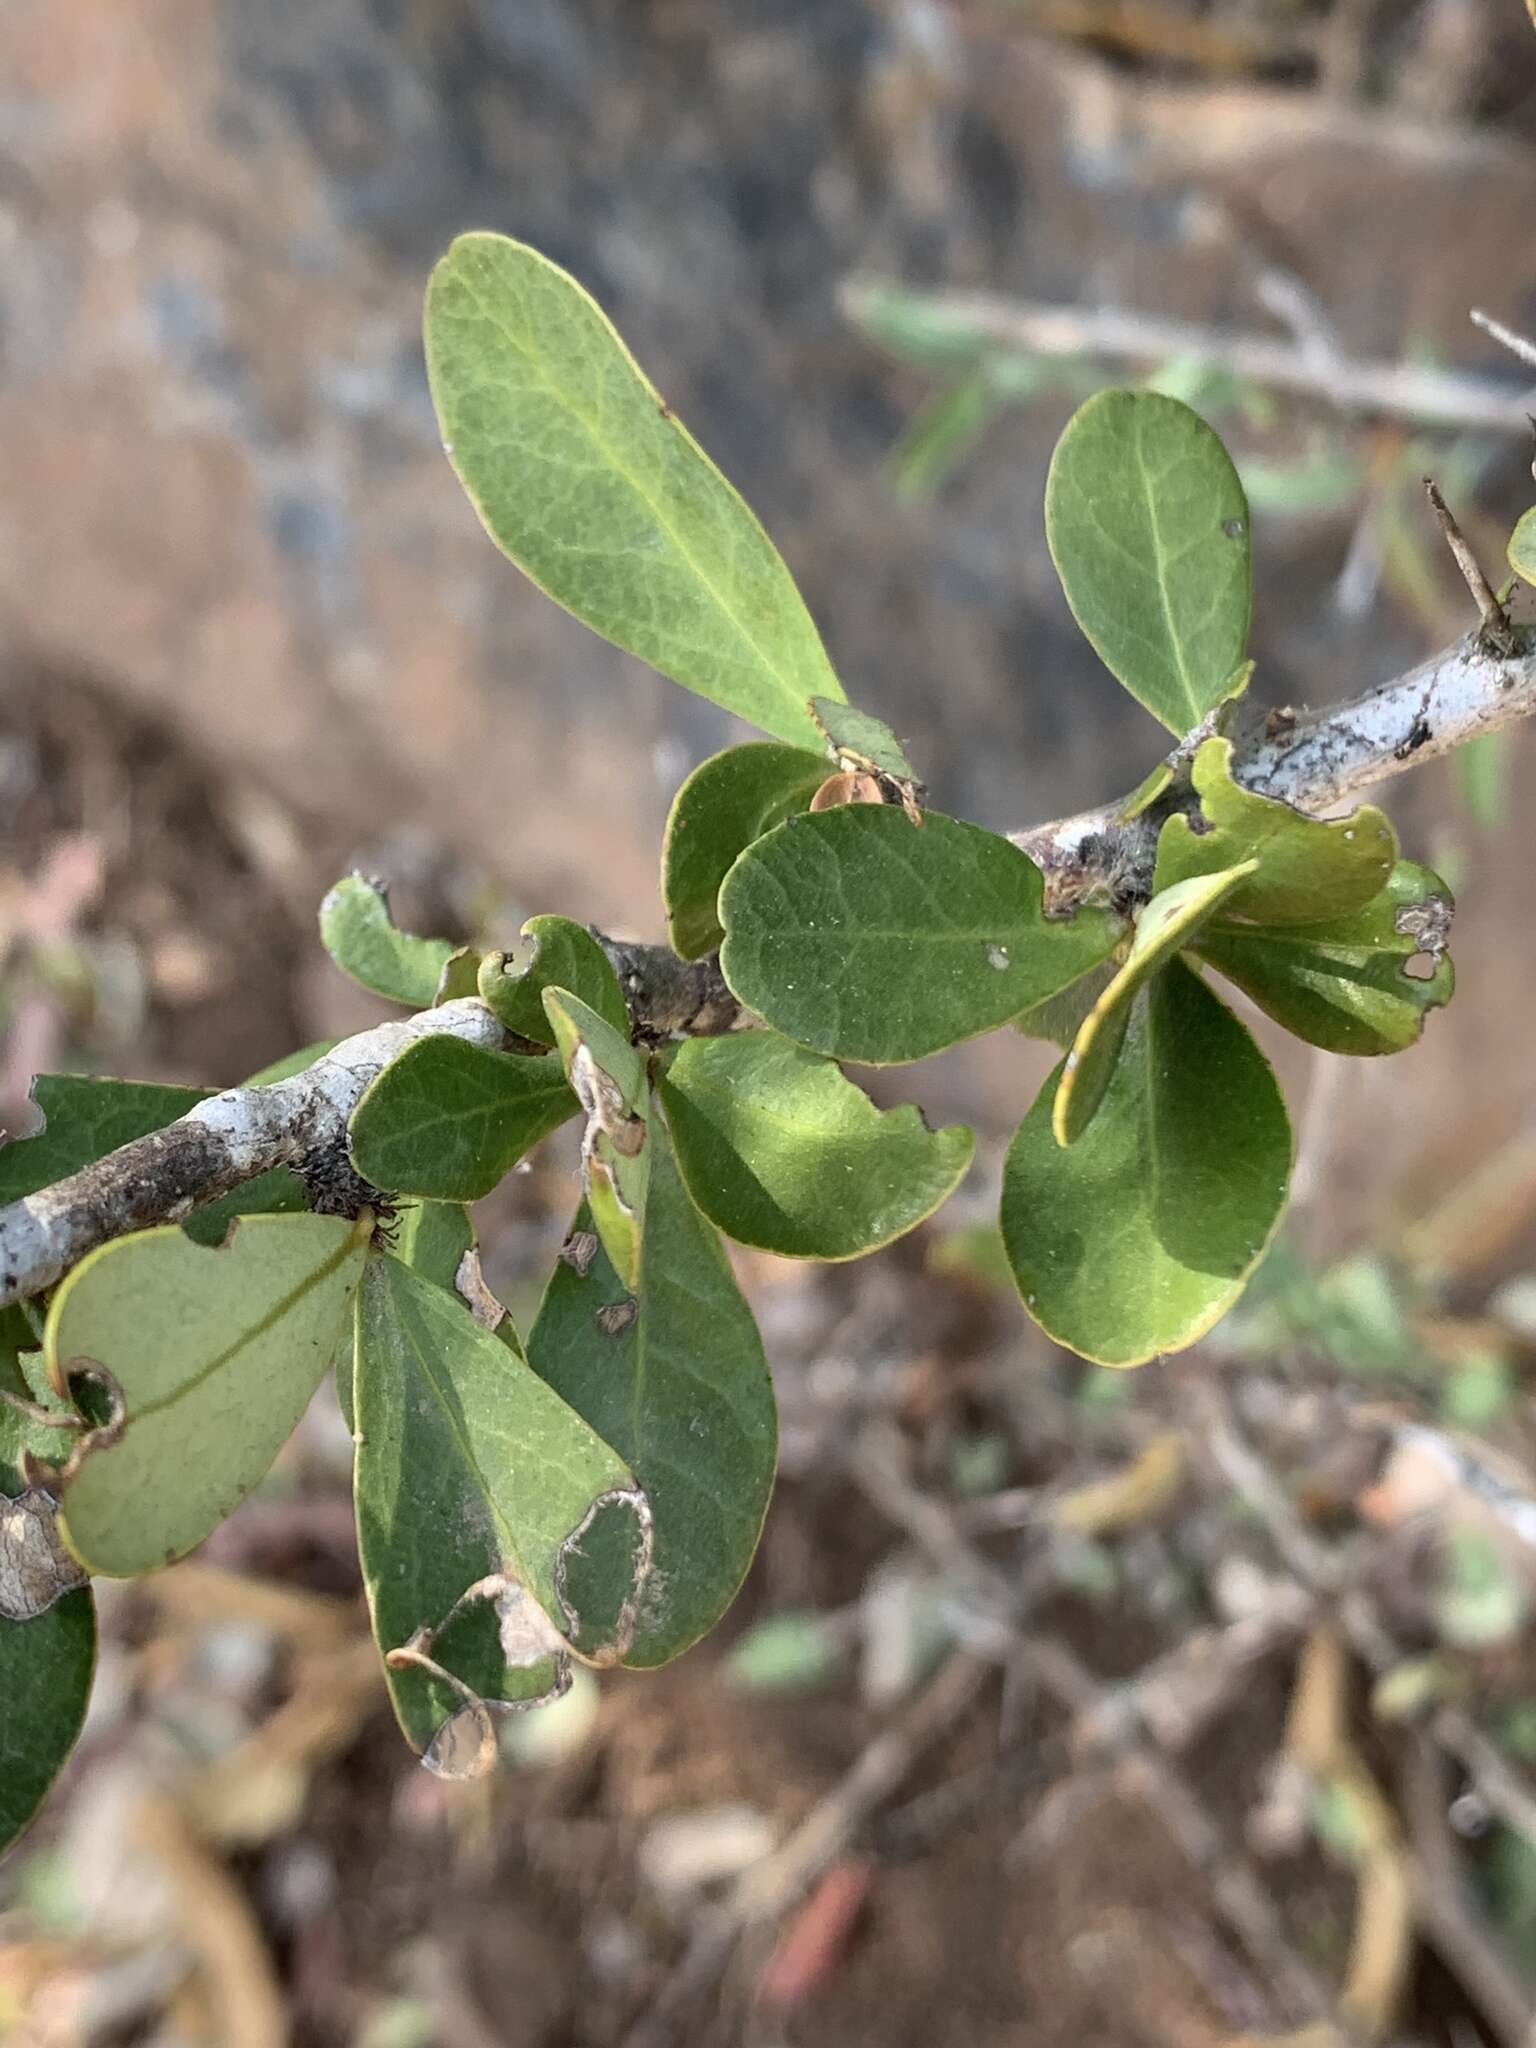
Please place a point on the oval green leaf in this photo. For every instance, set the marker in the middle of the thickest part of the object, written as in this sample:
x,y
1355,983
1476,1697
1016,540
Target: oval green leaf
x,y
1344,986
216,1353
1165,927
1522,546
580,473
781,1151
46,1668
672,1375
1140,1236
860,935
555,952
48,1660
1309,869
1148,527
448,1121
727,802
473,1479
358,933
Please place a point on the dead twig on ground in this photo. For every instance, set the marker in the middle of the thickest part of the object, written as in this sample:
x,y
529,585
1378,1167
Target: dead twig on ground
x,y
1449,1916
771,1887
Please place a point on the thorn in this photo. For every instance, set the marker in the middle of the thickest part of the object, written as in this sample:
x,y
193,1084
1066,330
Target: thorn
x,y
1495,631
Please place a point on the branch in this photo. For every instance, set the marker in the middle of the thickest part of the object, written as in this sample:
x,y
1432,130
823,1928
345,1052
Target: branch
x,y
215,1148
1312,760
1407,391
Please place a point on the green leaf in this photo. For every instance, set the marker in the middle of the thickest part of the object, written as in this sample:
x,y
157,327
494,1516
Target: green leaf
x,y
448,1120
216,1353
857,740
858,934
582,475
89,1116
783,1152
680,1388
1140,1236
356,931
1165,927
47,1660
557,954
278,1193
86,1118
460,976
1146,792
1309,869
609,1079
1522,546
1148,528
727,802
475,1486
1344,985
432,1238
46,1668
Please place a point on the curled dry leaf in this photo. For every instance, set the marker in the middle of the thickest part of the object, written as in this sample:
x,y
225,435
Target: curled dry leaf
x,y
578,1252
36,1569
848,786
469,1285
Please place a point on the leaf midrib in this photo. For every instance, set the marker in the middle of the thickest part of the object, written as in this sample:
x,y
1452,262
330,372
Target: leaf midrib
x,y
1160,557
251,1336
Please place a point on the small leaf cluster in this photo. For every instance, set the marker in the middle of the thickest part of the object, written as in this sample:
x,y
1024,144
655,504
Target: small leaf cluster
x,y
595,1494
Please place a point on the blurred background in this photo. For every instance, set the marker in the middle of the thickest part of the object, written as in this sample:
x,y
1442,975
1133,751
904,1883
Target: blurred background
x,y
1188,1707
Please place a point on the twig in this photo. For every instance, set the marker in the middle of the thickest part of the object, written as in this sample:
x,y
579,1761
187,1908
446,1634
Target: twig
x,y
1393,390
1321,759
1517,344
1446,1912
1122,1721
1505,1790
1312,760
1495,634
218,1146
301,1122
771,1887
1236,1887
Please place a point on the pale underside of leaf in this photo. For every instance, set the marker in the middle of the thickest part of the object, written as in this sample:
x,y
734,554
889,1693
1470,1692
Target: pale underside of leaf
x,y
581,474
212,1355
1166,925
